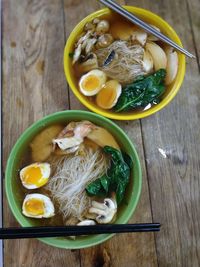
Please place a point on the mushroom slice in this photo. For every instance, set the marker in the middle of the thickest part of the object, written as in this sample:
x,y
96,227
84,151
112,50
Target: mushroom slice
x,y
89,64
89,26
172,65
80,46
84,38
90,45
139,37
86,222
77,54
158,55
105,211
102,27
147,62
104,40
96,21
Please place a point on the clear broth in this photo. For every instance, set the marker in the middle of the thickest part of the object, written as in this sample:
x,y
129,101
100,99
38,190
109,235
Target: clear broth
x,y
57,220
112,18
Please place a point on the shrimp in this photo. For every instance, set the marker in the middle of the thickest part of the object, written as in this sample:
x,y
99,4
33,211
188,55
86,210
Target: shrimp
x,y
73,135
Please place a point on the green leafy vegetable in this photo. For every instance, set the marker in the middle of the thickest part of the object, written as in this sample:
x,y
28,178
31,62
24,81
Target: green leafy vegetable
x,y
71,54
116,178
99,187
127,159
143,91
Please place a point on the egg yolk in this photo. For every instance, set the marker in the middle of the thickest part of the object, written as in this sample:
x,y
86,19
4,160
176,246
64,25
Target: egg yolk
x,y
33,176
34,206
106,96
90,83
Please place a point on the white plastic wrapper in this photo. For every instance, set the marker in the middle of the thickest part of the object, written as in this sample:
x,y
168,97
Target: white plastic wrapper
x,y
162,152
176,154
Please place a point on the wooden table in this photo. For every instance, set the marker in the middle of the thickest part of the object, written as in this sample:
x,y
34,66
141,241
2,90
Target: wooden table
x,y
34,35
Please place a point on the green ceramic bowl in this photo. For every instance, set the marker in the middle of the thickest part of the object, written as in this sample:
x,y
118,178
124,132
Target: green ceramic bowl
x,y
14,188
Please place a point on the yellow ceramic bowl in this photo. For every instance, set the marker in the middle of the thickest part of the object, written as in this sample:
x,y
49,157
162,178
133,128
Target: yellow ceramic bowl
x,y
171,91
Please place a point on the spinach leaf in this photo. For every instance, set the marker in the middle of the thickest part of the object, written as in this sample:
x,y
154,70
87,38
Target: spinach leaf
x,y
143,91
127,159
71,54
116,178
99,187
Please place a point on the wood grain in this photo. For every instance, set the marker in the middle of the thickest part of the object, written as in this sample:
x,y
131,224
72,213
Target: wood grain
x,y
1,169
34,35
193,14
34,85
174,179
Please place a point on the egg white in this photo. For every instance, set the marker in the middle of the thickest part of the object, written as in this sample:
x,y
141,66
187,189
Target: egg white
x,y
118,93
45,170
101,76
48,206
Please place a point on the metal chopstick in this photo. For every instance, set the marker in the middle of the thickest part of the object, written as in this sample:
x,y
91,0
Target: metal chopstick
x,y
122,11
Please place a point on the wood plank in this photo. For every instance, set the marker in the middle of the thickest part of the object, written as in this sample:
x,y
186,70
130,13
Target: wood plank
x,y
174,179
193,15
1,174
124,250
34,85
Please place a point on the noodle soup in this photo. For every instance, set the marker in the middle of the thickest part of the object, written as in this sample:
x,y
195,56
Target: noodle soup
x,y
22,156
119,67
73,173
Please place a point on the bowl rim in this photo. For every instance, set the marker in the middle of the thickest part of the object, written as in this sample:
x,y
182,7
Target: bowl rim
x,y
25,135
122,116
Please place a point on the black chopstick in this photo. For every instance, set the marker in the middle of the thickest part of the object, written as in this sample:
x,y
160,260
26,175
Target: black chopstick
x,y
57,231
131,17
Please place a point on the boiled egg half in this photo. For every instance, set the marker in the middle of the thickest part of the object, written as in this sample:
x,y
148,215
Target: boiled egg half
x,y
38,206
35,175
91,83
108,96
